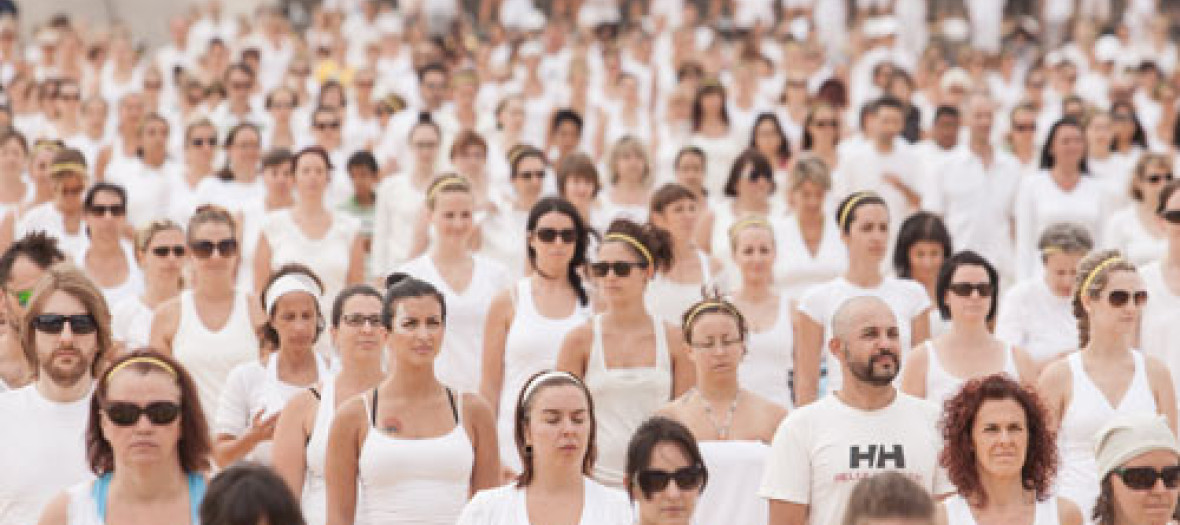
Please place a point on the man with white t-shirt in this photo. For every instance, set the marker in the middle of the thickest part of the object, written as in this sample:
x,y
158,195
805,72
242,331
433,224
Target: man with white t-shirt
x,y
822,450
887,166
65,335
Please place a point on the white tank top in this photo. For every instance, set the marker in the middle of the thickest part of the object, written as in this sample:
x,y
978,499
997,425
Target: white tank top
x,y
623,399
209,356
414,481
1088,411
958,512
942,385
528,349
770,361
668,299
315,455
735,474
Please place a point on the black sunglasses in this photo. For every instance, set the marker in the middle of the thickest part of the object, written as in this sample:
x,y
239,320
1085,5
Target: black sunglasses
x,y
1172,216
540,174
327,125
621,268
1120,298
687,478
80,324
1144,478
162,251
965,289
125,414
359,320
204,249
116,210
548,235
204,142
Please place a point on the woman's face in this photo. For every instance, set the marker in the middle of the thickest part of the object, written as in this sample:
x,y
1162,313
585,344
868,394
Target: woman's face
x,y
712,103
1123,123
825,125
12,157
155,135
164,256
717,345
311,177
105,215
1152,181
975,306
556,253
218,262
1153,506
673,505
680,218
142,442
807,199
67,194
417,330
39,166
245,150
754,251
622,288
360,331
868,235
512,115
579,190
294,318
1105,315
529,179
766,138
452,214
999,436
1061,270
201,146
471,160
278,179
754,187
558,426
630,166
690,171
1069,146
925,259
1099,131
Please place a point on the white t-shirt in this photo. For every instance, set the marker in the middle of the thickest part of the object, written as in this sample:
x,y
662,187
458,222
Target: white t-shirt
x,y
250,388
149,190
1034,319
822,450
1158,329
508,505
42,449
864,169
1040,202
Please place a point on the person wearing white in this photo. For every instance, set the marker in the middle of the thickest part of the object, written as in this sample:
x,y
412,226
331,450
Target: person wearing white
x,y
399,214
768,364
161,251
808,241
1136,230
1158,329
503,231
61,218
147,178
676,209
821,450
886,165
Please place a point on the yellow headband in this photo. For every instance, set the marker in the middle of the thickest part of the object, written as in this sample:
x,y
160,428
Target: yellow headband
x,y
150,360
634,243
448,182
67,166
48,146
748,221
1094,273
1050,250
696,310
851,204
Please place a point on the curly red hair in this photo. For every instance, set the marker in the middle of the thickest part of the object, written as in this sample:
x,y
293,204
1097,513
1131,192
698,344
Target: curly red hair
x,y
958,451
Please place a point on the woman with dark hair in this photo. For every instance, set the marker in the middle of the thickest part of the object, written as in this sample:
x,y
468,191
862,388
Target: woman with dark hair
x,y
768,138
677,210
747,190
301,433
863,219
1062,191
144,468
1136,230
632,361
504,231
923,243
821,134
249,494
1129,140
256,391
578,182
108,258
1086,389
411,450
666,473
713,133
553,435
236,187
967,295
808,240
160,251
525,319
1139,465
999,451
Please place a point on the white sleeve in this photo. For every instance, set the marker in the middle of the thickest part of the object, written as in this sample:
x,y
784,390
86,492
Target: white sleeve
x,y
233,407
813,304
478,511
933,200
788,468
1008,325
1026,241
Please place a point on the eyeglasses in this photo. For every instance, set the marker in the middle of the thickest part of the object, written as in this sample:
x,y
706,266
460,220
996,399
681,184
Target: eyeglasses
x,y
211,142
1026,128
621,268
548,235
965,289
335,124
1120,298
528,175
125,414
1172,216
360,320
80,324
687,478
162,251
1144,478
1157,178
224,247
115,210
426,145
826,123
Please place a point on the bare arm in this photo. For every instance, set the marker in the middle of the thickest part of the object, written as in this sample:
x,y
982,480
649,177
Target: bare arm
x,y
788,513
356,261
913,375
262,264
230,448
574,351
57,511
1162,388
289,455
495,335
920,328
344,445
808,352
1054,386
165,321
486,472
1026,367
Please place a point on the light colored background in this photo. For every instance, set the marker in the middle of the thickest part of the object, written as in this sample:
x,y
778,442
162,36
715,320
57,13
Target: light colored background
x,y
147,18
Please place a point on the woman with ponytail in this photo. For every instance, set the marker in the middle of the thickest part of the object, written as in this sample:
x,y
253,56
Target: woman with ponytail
x,y
1106,377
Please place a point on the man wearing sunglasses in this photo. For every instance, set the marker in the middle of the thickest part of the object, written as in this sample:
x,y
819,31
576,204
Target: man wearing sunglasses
x,y
65,335
822,450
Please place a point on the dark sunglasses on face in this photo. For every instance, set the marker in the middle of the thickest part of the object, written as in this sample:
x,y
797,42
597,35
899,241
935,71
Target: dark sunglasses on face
x,y
81,324
115,210
162,251
529,175
965,289
335,124
651,481
1157,178
621,268
125,414
1024,127
548,235
1144,478
359,320
224,247
1172,216
1120,298
212,142
825,123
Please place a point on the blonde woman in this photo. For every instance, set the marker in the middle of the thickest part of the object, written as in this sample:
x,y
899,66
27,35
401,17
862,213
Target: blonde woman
x,y
161,250
629,191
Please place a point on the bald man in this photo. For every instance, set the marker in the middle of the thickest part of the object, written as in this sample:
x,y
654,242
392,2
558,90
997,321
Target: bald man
x,y
820,451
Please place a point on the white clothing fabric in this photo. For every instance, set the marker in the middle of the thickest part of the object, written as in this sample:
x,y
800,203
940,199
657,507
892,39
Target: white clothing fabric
x,y
1034,319
327,256
796,268
668,299
44,217
958,512
624,398
735,473
1158,329
251,388
942,385
132,286
1126,233
232,195
1040,202
770,358
148,190
822,450
210,355
508,505
398,207
1088,411
314,500
720,153
43,455
131,321
864,169
504,236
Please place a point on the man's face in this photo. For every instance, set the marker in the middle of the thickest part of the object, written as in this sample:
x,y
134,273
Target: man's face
x,y
889,122
870,349
64,357
434,89
946,131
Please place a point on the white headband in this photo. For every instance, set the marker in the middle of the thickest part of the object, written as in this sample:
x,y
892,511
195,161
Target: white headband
x,y
292,282
528,391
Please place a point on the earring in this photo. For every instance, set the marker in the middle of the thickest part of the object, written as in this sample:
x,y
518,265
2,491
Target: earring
x,y
528,450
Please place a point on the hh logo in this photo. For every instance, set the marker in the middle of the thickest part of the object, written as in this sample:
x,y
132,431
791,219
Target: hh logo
x,y
876,456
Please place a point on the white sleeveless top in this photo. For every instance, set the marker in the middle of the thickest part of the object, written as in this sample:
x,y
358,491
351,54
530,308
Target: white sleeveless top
x,y
210,356
327,256
735,475
414,481
958,512
668,299
132,286
623,399
1088,411
769,364
528,349
315,454
942,385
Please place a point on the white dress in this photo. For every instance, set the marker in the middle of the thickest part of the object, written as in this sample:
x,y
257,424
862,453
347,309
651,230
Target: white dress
x,y
508,505
958,512
796,269
769,364
668,299
210,355
1125,232
327,256
1158,329
735,474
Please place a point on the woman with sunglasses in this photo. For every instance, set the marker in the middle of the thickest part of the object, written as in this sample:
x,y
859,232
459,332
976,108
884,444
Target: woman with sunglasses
x,y
677,210
748,191
61,217
524,320
1139,465
733,425
200,147
468,280
632,361
808,240
863,219
504,230
629,191
966,294
1086,389
160,252
713,133
411,450
212,327
108,258
1001,455
1158,330
301,434
1136,230
821,135
553,436
666,473
147,443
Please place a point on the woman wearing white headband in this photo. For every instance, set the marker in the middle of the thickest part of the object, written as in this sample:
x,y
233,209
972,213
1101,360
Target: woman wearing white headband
x,y
256,391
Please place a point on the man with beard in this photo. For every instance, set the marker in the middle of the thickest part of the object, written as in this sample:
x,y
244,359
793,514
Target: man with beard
x,y
65,335
822,450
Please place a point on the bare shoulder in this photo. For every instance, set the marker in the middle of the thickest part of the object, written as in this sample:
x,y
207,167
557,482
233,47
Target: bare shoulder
x,y
476,407
769,414
1068,513
57,511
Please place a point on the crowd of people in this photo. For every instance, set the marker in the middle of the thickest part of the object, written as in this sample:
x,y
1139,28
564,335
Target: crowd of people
x,y
798,262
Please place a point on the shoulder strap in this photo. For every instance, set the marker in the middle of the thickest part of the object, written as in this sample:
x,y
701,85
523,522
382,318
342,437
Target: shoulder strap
x,y
99,492
373,407
314,392
196,494
454,407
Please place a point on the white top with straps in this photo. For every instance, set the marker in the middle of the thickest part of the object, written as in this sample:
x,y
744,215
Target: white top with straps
x,y
942,385
623,399
327,256
315,455
770,359
735,474
529,348
668,299
208,355
508,505
958,512
414,481
1088,411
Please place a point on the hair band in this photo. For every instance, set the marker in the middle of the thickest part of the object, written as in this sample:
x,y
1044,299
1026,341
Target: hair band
x,y
748,221
1094,273
851,204
449,182
45,145
1050,250
696,310
536,382
67,166
288,283
616,236
149,360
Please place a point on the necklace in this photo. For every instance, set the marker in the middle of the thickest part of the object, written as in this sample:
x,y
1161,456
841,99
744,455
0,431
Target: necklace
x,y
722,429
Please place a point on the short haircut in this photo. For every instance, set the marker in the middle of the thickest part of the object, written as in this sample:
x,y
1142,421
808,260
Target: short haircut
x,y
39,247
578,166
888,495
248,494
362,158
946,111
567,115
